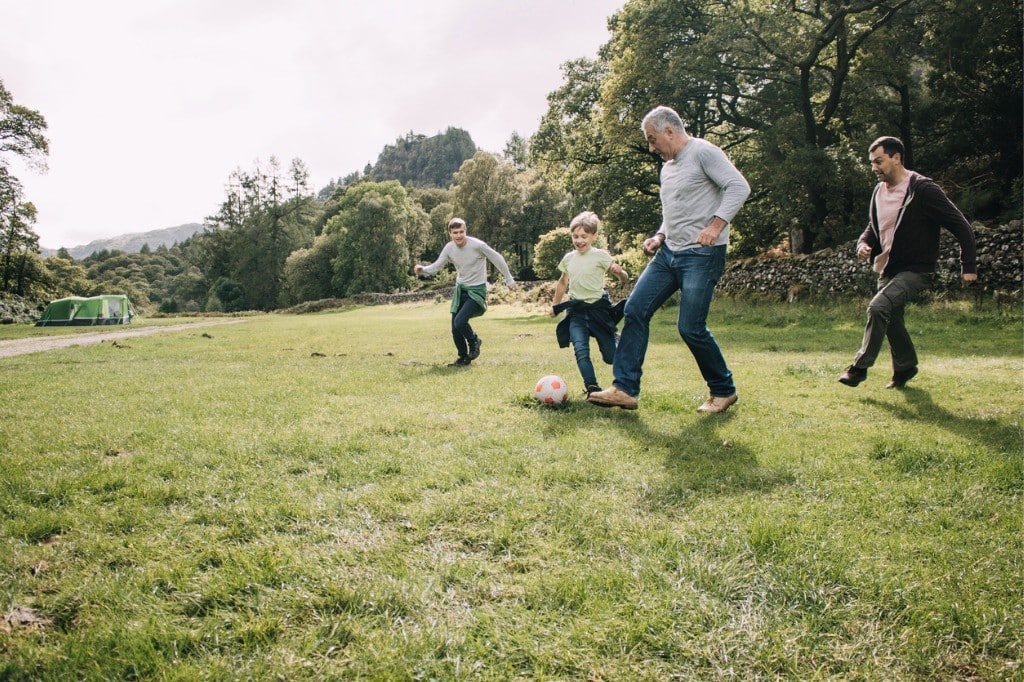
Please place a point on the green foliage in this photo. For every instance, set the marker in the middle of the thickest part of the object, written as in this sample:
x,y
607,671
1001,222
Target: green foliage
x,y
550,249
488,195
230,296
265,217
507,208
308,272
794,93
22,134
970,133
607,172
377,231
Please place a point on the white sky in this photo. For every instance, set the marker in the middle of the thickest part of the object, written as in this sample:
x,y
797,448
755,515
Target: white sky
x,y
151,104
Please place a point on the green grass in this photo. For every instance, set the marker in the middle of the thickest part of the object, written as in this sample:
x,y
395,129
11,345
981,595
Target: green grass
x,y
310,497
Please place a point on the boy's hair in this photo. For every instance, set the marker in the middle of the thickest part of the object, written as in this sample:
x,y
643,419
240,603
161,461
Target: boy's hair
x,y
456,222
588,220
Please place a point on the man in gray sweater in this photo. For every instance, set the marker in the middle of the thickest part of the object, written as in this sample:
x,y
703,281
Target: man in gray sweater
x,y
469,256
701,192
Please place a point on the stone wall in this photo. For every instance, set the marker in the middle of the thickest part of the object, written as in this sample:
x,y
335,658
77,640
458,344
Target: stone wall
x,y
836,273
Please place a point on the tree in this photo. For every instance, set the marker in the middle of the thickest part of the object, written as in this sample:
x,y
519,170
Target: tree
x,y
970,131
517,151
791,90
18,243
757,77
308,272
545,206
376,231
257,228
489,197
609,173
21,135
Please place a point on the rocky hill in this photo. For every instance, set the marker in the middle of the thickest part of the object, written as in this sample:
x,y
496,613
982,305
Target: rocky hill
x,y
132,243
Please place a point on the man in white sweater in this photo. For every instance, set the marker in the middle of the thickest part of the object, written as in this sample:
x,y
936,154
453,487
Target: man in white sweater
x,y
469,256
701,192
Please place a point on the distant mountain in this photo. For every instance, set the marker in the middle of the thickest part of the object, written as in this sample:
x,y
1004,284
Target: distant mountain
x,y
132,243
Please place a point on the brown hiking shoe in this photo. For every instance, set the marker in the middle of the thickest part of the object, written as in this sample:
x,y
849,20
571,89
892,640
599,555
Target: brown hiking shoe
x,y
613,397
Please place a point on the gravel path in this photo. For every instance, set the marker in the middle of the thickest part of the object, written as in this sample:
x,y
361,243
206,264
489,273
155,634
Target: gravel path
x,y
41,343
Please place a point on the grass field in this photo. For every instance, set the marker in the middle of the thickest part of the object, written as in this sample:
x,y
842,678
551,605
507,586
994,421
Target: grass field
x,y
320,497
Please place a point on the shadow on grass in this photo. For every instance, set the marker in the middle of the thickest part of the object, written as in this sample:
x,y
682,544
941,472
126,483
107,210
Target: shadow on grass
x,y
698,461
701,463
989,433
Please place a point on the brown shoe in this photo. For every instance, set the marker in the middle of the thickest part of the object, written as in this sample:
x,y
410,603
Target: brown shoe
x,y
718,403
900,379
613,397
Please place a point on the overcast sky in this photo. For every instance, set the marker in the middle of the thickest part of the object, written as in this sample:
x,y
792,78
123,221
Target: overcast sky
x,y
151,104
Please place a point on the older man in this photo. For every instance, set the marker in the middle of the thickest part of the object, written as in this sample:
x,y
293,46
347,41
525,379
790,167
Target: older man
x,y
701,192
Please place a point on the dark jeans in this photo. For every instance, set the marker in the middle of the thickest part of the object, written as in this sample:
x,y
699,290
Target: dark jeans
x,y
579,335
694,274
462,333
885,320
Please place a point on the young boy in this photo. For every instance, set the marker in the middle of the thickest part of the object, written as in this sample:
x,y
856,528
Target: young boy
x,y
589,311
469,255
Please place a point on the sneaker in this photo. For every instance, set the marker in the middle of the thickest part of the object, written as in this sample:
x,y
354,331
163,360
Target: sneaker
x,y
613,397
720,403
900,379
853,375
460,362
591,388
474,348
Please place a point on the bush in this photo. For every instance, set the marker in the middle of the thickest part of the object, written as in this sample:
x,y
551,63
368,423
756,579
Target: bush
x,y
549,251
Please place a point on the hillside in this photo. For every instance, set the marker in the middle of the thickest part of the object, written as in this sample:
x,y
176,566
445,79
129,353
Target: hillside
x,y
132,243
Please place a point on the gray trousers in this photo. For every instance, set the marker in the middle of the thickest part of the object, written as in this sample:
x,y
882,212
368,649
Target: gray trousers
x,y
885,320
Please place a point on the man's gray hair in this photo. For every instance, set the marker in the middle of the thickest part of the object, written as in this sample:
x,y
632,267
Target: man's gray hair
x,y
661,117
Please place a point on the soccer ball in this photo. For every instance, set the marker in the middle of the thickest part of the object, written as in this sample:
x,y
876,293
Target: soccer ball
x,y
551,390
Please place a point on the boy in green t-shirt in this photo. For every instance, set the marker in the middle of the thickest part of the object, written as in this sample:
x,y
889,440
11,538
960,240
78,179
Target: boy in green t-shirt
x,y
589,311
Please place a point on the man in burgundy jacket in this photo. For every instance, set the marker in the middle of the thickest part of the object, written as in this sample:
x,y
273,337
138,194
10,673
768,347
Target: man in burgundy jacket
x,y
902,240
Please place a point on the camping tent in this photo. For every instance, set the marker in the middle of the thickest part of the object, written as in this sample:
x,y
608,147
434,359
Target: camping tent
x,y
75,310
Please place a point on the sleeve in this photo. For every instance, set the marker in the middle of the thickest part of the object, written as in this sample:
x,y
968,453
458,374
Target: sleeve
x,y
563,265
441,261
735,188
499,262
945,213
869,236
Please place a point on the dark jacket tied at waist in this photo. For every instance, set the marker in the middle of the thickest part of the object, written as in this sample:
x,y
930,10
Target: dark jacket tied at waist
x,y
602,317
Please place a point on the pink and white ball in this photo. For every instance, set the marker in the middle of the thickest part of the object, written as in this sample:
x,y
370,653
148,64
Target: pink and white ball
x,y
551,390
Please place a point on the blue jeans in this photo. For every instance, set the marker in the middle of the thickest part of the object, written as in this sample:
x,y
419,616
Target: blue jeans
x,y
579,335
694,274
462,333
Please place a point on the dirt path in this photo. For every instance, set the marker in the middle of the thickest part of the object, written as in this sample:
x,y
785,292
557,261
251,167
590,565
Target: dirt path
x,y
41,343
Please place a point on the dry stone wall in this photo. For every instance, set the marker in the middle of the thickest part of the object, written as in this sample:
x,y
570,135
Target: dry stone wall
x,y
836,273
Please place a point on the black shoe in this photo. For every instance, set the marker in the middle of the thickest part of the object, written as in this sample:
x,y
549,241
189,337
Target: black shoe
x,y
592,388
460,362
853,376
474,348
900,379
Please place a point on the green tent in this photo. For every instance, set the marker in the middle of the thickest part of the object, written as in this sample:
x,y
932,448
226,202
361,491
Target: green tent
x,y
78,311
